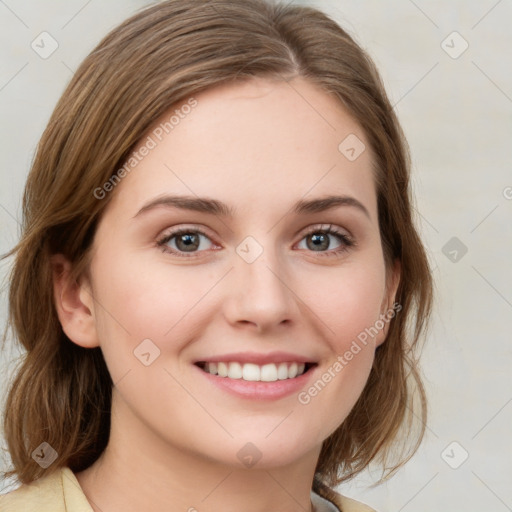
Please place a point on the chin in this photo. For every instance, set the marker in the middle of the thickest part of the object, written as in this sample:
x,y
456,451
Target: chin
x,y
267,453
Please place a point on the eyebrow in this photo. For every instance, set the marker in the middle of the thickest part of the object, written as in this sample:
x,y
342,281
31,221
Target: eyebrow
x,y
215,207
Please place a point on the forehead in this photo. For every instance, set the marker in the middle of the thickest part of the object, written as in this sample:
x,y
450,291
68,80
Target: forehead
x,y
253,143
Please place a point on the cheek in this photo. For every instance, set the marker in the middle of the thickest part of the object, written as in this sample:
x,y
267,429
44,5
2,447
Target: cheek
x,y
350,312
147,317
137,302
348,301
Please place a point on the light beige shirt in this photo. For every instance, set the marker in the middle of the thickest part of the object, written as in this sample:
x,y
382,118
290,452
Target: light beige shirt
x,y
61,492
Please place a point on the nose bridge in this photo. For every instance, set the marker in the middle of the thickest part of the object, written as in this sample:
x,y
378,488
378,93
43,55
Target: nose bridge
x,y
259,293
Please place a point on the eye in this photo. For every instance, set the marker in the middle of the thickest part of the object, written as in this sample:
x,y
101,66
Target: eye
x,y
320,239
185,240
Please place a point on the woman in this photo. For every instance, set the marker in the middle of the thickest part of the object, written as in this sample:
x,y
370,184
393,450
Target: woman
x,y
219,284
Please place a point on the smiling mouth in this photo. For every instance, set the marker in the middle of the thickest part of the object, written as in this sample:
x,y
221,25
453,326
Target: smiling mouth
x,y
270,372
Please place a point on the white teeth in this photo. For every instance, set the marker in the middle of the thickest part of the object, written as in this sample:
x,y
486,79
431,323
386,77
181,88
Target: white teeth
x,y
235,371
282,371
222,369
253,372
268,373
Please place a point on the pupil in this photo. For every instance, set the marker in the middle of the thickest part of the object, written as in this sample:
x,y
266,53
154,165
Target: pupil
x,y
319,241
189,242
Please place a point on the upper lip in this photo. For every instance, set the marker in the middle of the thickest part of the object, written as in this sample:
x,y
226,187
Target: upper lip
x,y
257,358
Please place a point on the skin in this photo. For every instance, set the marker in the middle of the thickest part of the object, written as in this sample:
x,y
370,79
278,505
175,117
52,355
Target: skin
x,y
259,147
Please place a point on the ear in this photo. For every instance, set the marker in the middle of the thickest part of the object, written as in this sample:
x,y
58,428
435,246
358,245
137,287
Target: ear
x,y
74,304
389,308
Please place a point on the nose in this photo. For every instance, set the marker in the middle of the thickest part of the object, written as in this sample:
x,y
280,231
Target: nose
x,y
260,295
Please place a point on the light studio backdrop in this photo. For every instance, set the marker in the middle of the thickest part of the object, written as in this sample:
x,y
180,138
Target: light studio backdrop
x,y
447,67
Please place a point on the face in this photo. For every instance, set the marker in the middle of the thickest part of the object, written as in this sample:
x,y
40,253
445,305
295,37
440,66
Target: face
x,y
237,285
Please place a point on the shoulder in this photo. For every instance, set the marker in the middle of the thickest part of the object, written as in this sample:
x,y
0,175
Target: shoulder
x,y
59,491
349,505
343,503
40,495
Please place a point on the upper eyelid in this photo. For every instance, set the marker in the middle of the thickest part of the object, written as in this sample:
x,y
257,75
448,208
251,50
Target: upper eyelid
x,y
304,232
324,227
185,227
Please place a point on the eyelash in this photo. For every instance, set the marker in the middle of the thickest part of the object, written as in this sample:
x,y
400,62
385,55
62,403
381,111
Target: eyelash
x,y
347,242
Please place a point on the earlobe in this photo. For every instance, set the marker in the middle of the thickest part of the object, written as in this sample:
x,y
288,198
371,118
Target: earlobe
x,y
390,307
73,303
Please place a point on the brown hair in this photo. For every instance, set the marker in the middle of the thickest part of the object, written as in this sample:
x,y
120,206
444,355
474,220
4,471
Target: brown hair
x,y
61,393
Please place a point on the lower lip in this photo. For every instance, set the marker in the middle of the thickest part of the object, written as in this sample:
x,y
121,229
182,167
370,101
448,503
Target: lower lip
x,y
257,390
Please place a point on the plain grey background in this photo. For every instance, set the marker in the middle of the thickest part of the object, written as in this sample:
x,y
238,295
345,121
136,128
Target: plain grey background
x,y
447,68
